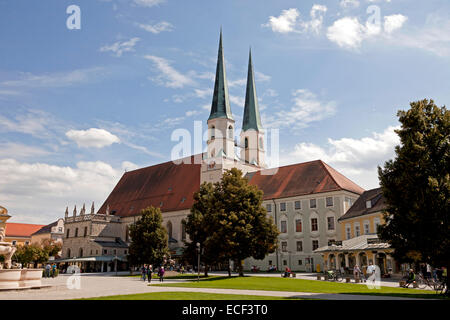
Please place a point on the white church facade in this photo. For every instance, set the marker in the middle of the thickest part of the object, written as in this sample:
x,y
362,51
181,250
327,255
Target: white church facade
x,y
305,199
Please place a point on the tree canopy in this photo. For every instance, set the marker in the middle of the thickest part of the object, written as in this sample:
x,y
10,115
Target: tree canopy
x,y
229,221
149,238
416,185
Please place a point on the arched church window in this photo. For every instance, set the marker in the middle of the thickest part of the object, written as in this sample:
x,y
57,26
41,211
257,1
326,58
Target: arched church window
x,y
169,229
81,252
246,143
183,230
213,133
68,253
230,132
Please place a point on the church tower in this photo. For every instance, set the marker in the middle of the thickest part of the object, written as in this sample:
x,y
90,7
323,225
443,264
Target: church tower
x,y
220,154
220,121
252,134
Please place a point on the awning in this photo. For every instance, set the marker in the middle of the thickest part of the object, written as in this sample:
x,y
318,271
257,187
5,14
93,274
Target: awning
x,y
94,258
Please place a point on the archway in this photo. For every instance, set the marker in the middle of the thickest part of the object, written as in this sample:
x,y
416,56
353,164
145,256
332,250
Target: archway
x,y
332,261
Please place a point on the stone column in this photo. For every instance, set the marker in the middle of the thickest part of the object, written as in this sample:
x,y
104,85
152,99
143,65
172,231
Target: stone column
x,y
357,259
346,260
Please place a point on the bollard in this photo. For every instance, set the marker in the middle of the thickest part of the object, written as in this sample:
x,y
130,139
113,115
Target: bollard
x,y
318,277
347,279
294,275
402,283
357,280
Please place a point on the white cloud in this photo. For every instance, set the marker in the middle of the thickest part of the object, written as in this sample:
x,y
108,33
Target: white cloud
x,y
238,82
259,76
346,32
33,122
307,108
169,77
394,22
288,21
40,192
129,166
148,3
355,158
349,3
157,28
120,47
93,137
239,101
205,93
285,22
19,150
56,80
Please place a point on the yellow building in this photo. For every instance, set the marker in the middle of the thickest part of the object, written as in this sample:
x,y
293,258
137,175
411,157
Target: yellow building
x,y
360,244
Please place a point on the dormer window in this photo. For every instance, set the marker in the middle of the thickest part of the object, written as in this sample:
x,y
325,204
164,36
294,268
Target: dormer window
x,y
368,204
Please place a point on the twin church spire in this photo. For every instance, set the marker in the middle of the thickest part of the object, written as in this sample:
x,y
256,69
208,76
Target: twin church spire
x,y
221,123
220,107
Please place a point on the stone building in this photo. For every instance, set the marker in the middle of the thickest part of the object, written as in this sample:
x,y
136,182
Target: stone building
x,y
359,243
305,199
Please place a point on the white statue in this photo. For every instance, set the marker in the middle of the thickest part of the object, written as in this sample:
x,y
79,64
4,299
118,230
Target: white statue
x,y
6,249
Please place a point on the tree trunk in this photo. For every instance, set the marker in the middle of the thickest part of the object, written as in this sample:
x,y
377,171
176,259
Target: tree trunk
x,y
240,268
206,270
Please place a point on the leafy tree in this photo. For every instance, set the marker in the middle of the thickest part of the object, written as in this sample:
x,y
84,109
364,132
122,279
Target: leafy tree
x,y
27,254
51,247
228,219
149,238
416,185
200,217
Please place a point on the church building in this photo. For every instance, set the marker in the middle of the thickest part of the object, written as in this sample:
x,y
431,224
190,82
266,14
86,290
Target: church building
x,y
305,199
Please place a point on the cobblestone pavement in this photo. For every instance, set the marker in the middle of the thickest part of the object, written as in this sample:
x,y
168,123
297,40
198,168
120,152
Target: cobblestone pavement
x,y
107,285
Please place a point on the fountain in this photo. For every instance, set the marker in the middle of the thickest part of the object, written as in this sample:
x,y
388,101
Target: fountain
x,y
14,278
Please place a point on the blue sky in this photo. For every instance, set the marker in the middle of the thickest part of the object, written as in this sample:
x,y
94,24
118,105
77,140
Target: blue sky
x,y
80,106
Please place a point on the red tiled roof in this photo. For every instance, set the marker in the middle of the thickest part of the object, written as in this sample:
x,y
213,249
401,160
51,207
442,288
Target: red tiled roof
x,y
21,229
301,179
168,183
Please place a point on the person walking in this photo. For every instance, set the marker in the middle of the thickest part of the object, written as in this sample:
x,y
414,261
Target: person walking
x,y
47,270
161,274
143,272
356,272
149,272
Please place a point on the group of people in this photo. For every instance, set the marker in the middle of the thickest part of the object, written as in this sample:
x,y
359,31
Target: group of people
x,y
50,271
147,271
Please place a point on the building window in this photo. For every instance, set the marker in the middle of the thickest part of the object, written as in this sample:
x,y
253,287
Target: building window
x,y
68,253
331,242
329,201
105,251
283,206
298,225
366,228
76,232
114,251
213,133
284,246
376,223
315,244
126,251
230,132
96,251
27,243
312,203
183,230
330,221
169,229
60,229
269,207
85,231
299,246
68,233
314,226
298,205
357,231
348,232
14,242
81,252
284,262
246,143
300,262
283,226
127,232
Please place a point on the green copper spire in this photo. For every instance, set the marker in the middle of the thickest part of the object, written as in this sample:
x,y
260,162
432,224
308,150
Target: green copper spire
x,y
220,107
252,119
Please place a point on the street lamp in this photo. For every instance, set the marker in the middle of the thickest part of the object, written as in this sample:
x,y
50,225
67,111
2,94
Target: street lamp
x,y
198,263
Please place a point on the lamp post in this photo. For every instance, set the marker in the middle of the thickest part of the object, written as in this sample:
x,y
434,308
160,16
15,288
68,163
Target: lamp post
x,y
115,263
198,262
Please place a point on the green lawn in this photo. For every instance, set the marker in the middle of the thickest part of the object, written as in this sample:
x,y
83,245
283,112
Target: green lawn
x,y
188,296
299,285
